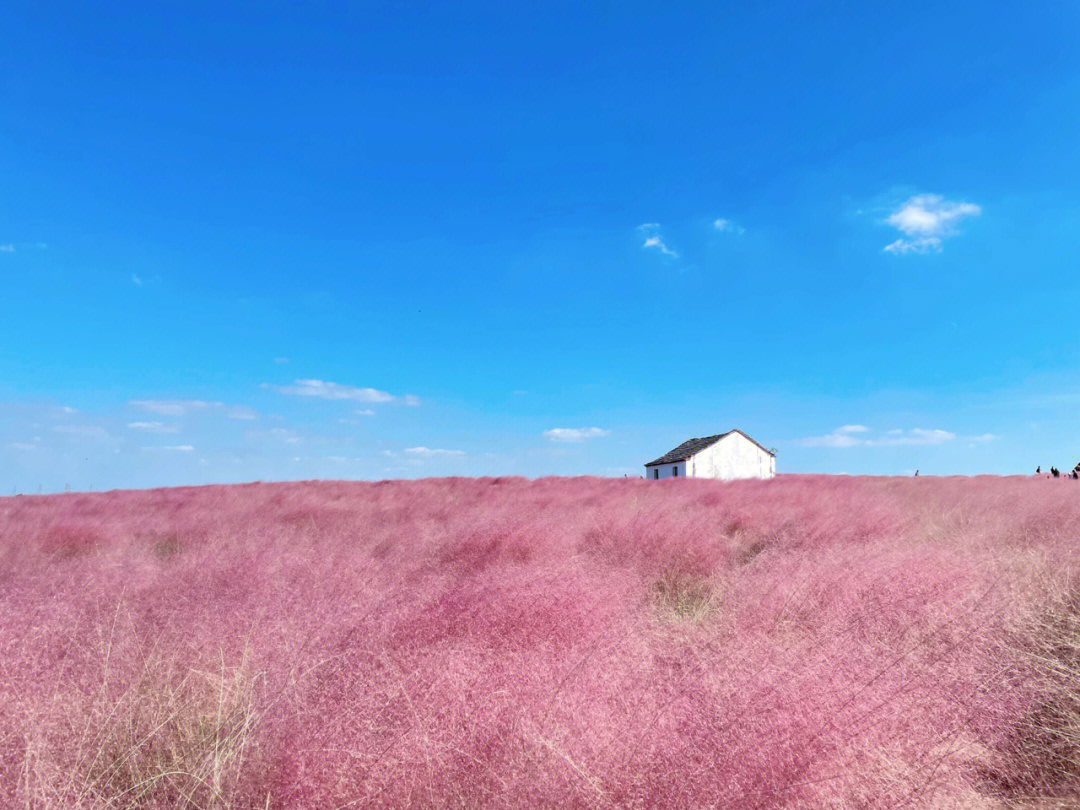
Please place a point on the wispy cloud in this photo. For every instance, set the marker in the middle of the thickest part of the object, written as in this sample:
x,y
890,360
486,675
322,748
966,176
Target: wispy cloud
x,y
428,452
11,247
657,242
726,225
856,436
975,441
927,220
278,434
575,434
154,427
241,412
136,280
360,412
654,239
284,435
172,448
280,360
846,436
171,407
321,389
92,432
186,407
915,436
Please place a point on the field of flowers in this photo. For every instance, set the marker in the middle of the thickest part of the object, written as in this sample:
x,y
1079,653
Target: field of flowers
x,y
806,642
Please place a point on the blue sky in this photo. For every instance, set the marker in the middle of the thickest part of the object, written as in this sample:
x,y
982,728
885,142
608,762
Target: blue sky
x,y
275,241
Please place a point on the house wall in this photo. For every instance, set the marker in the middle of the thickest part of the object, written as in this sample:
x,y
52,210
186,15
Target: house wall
x,y
734,456
667,470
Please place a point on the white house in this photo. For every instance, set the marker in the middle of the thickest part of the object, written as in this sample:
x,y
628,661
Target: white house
x,y
725,456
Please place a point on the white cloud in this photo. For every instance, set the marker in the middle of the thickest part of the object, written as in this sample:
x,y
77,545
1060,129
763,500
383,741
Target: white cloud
x,y
284,435
574,434
975,441
726,225
853,436
171,407
280,360
653,239
278,434
173,448
11,247
322,389
241,412
185,407
23,446
136,280
83,431
427,452
657,242
350,421
154,427
915,436
927,220
924,244
846,436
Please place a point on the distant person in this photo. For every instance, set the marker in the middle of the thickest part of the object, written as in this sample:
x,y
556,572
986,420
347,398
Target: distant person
x,y
1054,471
916,473
1038,470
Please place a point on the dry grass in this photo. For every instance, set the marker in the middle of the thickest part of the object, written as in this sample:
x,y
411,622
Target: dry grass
x,y
684,595
171,736
1038,765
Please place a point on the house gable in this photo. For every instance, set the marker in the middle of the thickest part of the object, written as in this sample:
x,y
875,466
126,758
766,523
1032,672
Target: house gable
x,y
725,456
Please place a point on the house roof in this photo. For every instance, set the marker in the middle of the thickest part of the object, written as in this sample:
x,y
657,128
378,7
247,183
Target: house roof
x,y
692,447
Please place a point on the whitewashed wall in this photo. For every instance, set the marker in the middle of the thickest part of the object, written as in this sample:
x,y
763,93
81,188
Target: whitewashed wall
x,y
666,470
734,456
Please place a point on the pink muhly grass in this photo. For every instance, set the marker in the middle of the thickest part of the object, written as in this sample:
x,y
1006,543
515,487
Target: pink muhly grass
x,y
810,641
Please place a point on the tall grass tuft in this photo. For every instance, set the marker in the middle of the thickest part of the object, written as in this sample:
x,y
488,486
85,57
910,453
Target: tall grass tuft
x,y
172,735
1039,762
683,595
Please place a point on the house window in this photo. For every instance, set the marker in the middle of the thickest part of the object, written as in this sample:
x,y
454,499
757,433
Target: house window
x,y
675,471
656,474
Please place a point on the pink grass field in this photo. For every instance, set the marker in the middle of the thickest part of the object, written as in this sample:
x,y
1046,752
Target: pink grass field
x,y
806,642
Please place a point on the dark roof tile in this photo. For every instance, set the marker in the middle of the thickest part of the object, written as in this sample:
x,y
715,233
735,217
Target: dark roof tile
x,y
694,446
